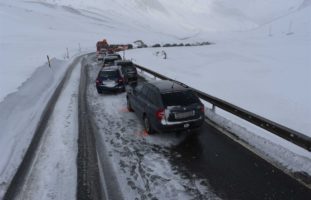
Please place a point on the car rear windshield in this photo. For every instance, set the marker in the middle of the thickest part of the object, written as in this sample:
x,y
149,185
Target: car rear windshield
x,y
112,58
125,64
108,74
129,69
181,98
115,56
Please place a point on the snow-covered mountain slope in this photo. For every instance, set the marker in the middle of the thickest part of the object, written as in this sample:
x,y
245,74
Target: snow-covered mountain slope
x,y
44,27
196,15
31,30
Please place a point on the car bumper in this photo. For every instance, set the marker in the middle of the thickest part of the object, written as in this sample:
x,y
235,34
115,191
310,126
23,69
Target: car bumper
x,y
110,89
192,125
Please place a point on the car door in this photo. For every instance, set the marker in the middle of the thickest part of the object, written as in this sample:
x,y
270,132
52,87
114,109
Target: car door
x,y
152,105
123,73
133,96
142,100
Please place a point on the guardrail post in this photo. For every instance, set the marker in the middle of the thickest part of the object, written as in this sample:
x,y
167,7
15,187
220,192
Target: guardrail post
x,y
67,51
48,60
213,108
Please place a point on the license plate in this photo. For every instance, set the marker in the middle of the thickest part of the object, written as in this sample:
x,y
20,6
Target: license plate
x,y
184,115
186,125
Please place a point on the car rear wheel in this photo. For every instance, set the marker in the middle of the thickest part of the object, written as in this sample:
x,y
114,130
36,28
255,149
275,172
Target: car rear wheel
x,y
99,91
147,125
129,106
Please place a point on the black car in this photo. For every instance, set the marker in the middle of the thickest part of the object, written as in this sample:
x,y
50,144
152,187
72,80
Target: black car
x,y
109,79
116,55
101,54
128,71
100,57
156,45
110,59
165,106
167,45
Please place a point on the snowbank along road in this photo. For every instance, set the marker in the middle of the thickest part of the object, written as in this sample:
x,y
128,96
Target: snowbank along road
x,y
48,170
116,159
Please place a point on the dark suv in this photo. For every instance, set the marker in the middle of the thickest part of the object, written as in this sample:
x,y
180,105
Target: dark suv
x,y
165,106
128,71
109,79
110,59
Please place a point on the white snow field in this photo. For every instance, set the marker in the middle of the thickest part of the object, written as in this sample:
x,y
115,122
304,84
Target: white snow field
x,y
260,59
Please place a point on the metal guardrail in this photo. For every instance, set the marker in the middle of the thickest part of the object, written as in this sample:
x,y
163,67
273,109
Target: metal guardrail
x,y
273,127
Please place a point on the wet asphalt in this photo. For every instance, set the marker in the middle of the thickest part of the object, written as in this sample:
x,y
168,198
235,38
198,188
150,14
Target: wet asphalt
x,y
233,171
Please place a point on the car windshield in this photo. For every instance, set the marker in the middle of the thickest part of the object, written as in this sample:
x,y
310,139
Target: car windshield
x,y
180,98
108,75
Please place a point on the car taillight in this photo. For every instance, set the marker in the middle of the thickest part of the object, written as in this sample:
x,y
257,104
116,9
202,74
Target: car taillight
x,y
97,82
120,80
202,108
160,114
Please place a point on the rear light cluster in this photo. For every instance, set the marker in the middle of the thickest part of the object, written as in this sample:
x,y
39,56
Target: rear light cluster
x,y
120,80
202,108
97,82
160,114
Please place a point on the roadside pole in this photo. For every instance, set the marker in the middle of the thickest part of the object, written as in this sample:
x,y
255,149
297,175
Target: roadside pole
x,y
67,53
48,60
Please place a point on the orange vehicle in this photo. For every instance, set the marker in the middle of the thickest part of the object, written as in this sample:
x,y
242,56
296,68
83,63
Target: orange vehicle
x,y
102,44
